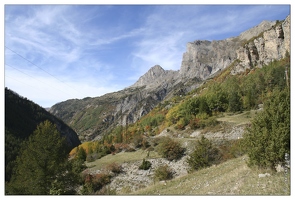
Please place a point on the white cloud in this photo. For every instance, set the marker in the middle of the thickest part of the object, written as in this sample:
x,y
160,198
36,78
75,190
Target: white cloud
x,y
46,90
84,48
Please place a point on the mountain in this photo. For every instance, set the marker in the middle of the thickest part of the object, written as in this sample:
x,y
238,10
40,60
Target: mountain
x,y
21,119
93,117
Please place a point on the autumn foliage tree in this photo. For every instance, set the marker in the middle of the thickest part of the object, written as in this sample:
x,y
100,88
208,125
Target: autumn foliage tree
x,y
170,149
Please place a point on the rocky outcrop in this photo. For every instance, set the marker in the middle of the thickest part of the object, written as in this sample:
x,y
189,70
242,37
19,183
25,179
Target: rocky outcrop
x,y
203,58
256,30
269,46
155,77
92,117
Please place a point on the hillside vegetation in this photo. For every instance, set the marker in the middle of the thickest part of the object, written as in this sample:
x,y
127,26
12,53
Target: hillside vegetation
x,y
214,112
22,117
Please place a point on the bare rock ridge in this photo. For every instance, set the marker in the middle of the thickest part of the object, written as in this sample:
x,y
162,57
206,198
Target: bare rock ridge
x,y
255,47
203,58
256,30
273,44
154,77
92,117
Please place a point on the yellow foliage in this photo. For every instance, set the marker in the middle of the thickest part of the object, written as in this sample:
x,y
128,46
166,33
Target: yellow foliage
x,y
85,145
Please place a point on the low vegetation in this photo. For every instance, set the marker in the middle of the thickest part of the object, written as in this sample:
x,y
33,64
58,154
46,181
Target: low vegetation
x,y
232,177
163,173
170,149
204,155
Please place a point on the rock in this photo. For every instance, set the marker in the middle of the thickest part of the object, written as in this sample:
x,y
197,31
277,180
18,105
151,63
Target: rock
x,y
154,77
263,175
271,45
280,168
163,182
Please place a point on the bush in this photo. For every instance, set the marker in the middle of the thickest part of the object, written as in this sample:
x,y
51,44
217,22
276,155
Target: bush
x,y
232,149
145,165
194,123
162,173
94,183
106,191
170,149
114,167
204,155
210,122
268,138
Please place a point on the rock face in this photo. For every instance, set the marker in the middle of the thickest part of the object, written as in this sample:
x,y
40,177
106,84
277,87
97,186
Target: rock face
x,y
271,45
92,117
248,34
155,76
204,58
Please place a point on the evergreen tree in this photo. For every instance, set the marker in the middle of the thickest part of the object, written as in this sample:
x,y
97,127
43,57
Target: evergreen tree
x,y
204,155
42,166
268,139
81,153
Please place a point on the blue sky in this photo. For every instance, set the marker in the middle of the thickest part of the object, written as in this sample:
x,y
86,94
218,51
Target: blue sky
x,y
57,52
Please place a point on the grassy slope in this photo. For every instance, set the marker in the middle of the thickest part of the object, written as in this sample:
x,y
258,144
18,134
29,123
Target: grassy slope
x,y
120,158
238,119
233,177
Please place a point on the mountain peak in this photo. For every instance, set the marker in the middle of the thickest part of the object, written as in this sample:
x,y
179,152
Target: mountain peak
x,y
155,72
256,30
154,76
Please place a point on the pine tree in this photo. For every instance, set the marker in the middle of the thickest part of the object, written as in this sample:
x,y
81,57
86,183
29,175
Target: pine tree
x,y
268,138
204,155
42,165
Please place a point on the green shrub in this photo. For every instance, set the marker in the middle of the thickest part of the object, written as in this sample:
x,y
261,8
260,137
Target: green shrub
x,y
210,122
204,155
162,173
170,149
180,125
268,138
145,165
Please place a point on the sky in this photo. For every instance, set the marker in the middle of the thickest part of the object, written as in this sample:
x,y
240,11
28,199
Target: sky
x,y
53,53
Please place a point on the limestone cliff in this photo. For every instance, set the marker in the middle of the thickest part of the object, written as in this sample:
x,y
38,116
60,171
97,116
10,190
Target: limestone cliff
x,y
155,77
268,46
203,58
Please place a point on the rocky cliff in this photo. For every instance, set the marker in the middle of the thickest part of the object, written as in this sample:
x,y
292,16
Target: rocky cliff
x,y
270,45
92,117
155,77
204,58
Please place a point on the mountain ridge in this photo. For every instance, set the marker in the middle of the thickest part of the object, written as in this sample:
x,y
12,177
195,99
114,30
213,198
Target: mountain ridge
x,y
202,60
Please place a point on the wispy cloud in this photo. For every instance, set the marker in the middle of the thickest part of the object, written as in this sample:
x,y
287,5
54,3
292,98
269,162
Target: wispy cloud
x,y
98,49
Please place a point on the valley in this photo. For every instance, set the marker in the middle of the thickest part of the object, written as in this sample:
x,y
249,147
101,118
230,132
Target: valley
x,y
210,128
